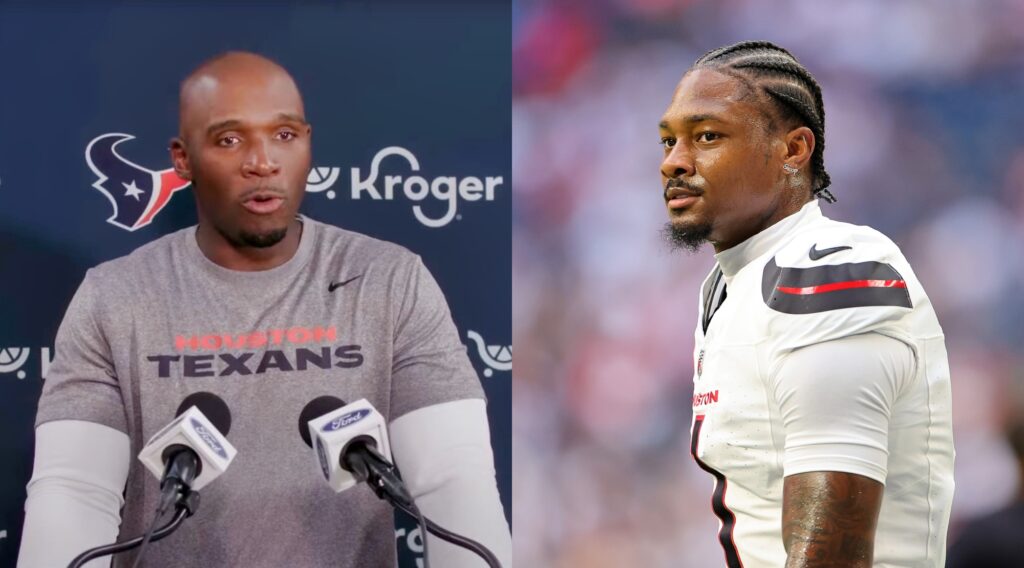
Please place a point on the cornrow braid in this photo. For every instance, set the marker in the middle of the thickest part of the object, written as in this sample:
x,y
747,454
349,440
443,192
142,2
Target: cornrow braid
x,y
742,46
788,84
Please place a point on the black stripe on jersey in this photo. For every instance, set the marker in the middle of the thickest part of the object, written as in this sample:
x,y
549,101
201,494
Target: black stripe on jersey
x,y
732,555
710,291
832,287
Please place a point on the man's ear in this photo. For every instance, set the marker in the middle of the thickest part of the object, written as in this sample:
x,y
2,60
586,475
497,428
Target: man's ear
x,y
179,158
799,147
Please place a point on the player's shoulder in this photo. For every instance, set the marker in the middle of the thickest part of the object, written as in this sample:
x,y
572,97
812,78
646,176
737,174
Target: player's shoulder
x,y
145,259
827,241
830,265
131,276
356,247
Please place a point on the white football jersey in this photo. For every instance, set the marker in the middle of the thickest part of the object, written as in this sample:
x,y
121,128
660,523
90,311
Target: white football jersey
x,y
801,282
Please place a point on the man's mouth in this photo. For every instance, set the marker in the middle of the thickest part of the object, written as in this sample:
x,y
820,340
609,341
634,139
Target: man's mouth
x,y
263,203
682,202
680,197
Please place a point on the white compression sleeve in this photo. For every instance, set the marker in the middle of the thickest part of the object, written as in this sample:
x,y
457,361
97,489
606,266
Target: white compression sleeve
x,y
75,495
836,398
444,454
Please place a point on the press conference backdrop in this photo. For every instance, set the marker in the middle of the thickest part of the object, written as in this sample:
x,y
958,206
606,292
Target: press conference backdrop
x,y
410,103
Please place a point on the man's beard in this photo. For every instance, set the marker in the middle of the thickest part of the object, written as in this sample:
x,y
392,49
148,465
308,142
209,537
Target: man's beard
x,y
245,239
262,240
687,237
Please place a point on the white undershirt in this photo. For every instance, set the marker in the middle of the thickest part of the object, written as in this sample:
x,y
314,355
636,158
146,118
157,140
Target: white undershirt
x,y
75,495
835,400
445,458
443,451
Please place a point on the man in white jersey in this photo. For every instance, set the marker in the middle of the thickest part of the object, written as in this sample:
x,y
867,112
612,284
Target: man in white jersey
x,y
821,402
268,310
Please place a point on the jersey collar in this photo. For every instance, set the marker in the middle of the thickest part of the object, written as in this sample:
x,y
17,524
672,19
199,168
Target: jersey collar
x,y
259,279
733,259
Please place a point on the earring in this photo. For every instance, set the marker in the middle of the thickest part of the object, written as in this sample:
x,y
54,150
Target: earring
x,y
789,169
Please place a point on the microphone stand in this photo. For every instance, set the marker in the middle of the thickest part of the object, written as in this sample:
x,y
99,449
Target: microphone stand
x,y
186,506
370,469
446,535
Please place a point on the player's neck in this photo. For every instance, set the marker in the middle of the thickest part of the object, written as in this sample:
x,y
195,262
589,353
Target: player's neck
x,y
223,252
771,217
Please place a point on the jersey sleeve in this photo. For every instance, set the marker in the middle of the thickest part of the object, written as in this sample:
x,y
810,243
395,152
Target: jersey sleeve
x,y
430,365
826,285
835,400
81,383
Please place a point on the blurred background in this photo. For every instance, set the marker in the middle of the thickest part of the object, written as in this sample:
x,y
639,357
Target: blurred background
x,y
925,143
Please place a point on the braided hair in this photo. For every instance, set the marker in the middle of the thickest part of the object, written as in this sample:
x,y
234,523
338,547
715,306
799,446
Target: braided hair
x,y
792,89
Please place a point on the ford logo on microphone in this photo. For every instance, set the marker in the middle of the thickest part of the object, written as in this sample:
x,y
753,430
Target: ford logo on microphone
x,y
322,454
208,438
346,420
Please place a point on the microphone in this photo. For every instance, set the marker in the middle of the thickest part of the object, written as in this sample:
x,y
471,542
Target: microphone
x,y
191,451
185,455
351,443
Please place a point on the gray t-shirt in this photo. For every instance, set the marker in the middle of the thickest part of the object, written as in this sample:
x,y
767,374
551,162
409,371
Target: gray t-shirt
x,y
146,330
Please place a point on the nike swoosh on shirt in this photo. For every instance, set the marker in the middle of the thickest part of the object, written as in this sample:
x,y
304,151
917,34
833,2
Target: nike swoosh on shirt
x,y
816,254
335,285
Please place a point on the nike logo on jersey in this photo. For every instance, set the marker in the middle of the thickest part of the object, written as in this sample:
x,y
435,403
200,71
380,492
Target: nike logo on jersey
x,y
816,254
832,286
335,285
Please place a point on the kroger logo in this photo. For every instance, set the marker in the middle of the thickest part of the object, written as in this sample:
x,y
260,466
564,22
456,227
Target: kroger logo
x,y
15,360
208,438
448,190
496,357
346,420
12,359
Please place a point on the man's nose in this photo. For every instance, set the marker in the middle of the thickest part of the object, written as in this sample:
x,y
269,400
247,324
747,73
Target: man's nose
x,y
260,160
678,162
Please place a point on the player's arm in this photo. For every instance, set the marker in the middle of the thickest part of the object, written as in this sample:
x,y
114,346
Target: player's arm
x,y
439,431
835,399
75,495
444,453
82,453
829,518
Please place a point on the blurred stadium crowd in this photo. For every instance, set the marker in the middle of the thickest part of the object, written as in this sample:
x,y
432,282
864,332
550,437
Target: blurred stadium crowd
x,y
925,140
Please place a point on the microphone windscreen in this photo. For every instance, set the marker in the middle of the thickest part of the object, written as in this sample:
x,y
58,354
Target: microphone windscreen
x,y
315,409
213,408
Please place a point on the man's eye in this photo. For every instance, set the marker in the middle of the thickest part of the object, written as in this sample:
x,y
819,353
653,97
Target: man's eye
x,y
227,141
286,135
708,137
668,142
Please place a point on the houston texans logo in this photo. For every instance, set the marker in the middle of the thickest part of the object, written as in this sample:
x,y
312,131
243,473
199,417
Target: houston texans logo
x,y
137,193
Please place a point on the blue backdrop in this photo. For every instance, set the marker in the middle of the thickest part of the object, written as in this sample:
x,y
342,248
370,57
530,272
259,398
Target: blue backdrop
x,y
420,90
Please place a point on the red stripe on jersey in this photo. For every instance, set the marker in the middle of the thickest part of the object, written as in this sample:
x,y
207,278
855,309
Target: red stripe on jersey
x,y
843,286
